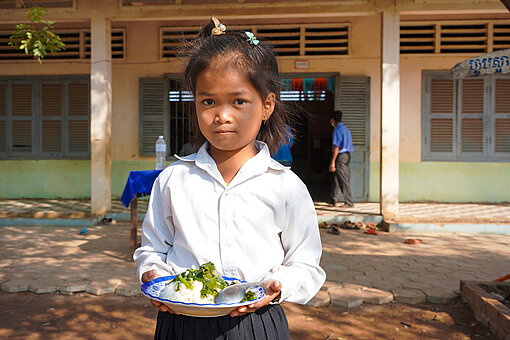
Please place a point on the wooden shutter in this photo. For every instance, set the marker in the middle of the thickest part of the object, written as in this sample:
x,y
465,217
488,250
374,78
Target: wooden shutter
x,y
21,112
477,125
502,133
438,116
78,115
502,117
3,115
441,111
353,100
352,97
51,118
153,114
471,117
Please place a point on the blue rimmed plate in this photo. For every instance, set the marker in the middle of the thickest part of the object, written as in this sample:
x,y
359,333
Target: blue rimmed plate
x,y
152,290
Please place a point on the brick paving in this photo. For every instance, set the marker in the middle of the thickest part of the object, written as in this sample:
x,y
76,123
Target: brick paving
x,y
428,212
54,208
408,212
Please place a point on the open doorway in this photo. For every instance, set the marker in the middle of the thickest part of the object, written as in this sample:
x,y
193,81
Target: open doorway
x,y
315,97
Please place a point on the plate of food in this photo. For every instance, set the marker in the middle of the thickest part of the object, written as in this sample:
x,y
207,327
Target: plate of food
x,y
192,292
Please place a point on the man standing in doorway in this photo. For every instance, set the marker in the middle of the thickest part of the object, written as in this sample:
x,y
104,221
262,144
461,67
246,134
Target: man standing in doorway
x,y
340,159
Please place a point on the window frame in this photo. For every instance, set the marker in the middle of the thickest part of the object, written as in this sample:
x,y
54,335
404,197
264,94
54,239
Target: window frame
x,y
488,116
37,118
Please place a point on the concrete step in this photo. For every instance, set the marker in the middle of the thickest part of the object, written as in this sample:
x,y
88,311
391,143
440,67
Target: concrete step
x,y
460,227
469,225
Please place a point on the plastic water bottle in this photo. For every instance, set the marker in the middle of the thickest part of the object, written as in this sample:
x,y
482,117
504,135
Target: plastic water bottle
x,y
160,153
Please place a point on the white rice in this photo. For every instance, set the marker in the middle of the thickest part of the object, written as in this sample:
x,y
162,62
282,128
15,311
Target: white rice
x,y
184,294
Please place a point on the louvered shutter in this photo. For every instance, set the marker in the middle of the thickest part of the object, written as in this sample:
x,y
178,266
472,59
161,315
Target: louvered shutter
x,y
502,118
352,97
477,126
442,117
153,114
22,119
353,102
51,135
3,123
78,119
471,109
438,116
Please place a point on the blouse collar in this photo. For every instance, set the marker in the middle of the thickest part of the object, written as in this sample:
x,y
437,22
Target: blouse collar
x,y
256,165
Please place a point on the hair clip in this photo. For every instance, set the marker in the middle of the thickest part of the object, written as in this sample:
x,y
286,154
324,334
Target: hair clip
x,y
219,28
251,38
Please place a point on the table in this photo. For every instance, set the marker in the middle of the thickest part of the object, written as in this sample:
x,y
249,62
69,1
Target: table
x,y
139,183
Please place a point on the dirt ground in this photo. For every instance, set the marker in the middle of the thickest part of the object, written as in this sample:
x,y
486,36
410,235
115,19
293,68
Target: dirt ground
x,y
84,316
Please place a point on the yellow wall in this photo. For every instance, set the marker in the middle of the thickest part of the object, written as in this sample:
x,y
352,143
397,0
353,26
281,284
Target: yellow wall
x,y
142,43
142,61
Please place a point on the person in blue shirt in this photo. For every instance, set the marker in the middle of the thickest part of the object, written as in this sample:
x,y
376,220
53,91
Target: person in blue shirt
x,y
283,154
340,159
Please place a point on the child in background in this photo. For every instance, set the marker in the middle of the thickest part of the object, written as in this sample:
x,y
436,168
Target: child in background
x,y
283,154
231,203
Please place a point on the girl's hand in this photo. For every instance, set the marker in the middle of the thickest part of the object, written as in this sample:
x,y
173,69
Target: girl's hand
x,y
272,289
149,276
332,167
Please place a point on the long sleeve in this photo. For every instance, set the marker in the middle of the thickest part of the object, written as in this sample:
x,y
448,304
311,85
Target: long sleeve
x,y
157,233
300,273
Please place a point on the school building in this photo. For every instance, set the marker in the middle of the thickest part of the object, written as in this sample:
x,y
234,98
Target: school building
x,y
75,125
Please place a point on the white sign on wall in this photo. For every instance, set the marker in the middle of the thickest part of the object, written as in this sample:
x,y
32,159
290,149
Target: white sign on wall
x,y
487,64
302,64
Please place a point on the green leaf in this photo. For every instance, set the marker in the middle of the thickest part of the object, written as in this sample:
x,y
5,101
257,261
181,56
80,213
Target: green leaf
x,y
36,39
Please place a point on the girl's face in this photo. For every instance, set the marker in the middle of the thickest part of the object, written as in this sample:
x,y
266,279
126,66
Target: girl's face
x,y
230,111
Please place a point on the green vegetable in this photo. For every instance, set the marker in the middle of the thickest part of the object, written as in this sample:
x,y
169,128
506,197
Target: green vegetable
x,y
212,281
186,283
249,296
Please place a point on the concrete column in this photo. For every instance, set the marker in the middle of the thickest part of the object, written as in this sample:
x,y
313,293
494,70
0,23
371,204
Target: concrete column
x,y
101,114
390,113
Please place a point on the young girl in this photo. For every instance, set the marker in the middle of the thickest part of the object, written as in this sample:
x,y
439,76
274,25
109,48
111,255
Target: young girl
x,y
231,203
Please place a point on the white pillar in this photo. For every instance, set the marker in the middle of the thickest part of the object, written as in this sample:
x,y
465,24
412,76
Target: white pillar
x,y
101,114
390,113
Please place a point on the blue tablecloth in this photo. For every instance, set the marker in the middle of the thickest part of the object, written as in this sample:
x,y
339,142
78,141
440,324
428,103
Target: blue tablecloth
x,y
139,183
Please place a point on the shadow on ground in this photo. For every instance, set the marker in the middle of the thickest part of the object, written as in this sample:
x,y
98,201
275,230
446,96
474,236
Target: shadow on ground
x,y
83,316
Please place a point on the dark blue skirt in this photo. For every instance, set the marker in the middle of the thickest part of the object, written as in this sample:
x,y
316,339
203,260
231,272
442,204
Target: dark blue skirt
x,y
266,323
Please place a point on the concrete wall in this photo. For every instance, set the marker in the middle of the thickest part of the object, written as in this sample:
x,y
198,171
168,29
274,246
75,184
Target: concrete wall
x,y
448,182
60,178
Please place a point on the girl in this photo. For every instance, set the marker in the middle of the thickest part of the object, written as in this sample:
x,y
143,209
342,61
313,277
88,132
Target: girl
x,y
231,203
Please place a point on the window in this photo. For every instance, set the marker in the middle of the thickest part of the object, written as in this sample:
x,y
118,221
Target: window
x,y
454,37
465,119
44,117
287,40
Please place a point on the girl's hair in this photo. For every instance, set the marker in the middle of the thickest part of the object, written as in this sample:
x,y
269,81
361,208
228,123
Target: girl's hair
x,y
257,62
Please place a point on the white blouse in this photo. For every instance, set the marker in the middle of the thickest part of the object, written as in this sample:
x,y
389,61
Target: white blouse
x,y
261,226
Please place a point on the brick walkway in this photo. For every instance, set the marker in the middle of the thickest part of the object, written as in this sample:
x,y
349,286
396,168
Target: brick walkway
x,y
408,212
429,212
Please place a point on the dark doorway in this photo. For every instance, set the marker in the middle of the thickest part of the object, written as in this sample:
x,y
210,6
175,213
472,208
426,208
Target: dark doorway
x,y
311,150
317,98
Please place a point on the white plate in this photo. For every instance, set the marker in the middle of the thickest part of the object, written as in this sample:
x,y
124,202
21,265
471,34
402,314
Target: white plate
x,y
152,289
